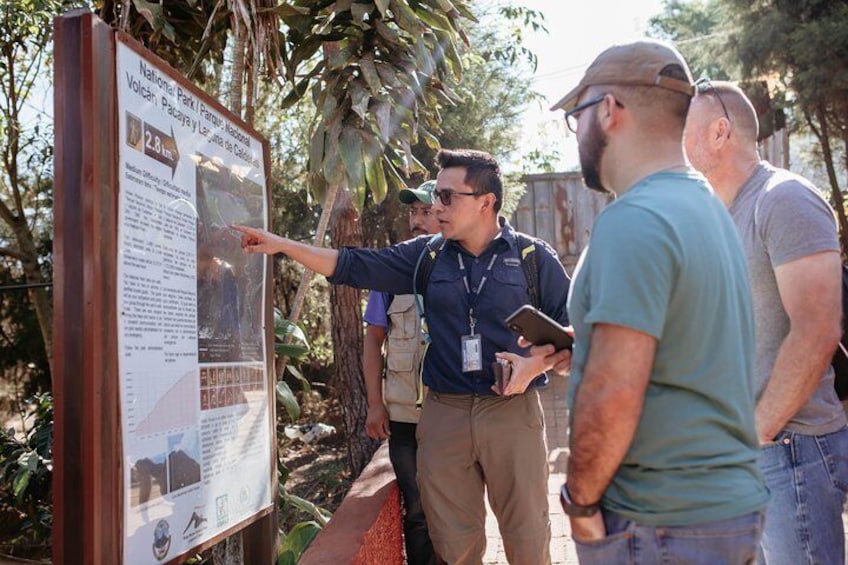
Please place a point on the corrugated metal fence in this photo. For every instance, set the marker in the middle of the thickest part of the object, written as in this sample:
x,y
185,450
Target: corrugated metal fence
x,y
558,207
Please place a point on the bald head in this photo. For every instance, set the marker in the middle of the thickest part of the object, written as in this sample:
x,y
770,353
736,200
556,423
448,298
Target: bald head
x,y
721,134
740,111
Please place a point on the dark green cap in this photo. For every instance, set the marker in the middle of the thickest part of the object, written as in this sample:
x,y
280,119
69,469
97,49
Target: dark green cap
x,y
423,193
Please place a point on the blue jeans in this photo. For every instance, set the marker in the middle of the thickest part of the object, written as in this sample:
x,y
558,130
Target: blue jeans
x,y
808,479
403,449
733,541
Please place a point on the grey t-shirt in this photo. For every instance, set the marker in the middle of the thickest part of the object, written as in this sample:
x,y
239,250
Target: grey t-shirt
x,y
782,217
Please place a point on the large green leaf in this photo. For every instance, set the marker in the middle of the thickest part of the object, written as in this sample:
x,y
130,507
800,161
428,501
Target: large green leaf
x,y
360,11
287,330
333,168
154,15
451,54
296,542
341,56
431,140
321,515
465,12
394,175
369,73
433,19
382,5
291,341
285,10
405,17
20,482
316,145
350,147
296,93
376,177
293,350
381,112
423,57
304,382
306,49
387,74
285,396
318,186
389,35
359,98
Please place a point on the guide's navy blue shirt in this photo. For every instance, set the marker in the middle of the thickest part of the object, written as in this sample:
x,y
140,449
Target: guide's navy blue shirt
x,y
390,269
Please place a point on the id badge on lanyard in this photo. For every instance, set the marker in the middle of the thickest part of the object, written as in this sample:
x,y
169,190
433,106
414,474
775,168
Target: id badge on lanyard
x,y
472,353
471,345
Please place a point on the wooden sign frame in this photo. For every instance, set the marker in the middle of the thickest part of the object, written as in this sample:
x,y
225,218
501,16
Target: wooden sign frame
x,y
88,469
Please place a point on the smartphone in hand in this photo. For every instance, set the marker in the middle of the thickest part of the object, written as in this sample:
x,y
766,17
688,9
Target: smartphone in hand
x,y
538,329
502,370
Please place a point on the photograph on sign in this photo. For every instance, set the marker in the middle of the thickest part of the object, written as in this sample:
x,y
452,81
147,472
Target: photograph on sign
x,y
196,413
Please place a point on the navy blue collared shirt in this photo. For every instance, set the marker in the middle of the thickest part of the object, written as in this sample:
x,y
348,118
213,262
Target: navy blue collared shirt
x,y
390,269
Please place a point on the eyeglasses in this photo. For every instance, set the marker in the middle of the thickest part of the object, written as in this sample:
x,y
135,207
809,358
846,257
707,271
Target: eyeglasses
x,y
445,195
704,86
573,115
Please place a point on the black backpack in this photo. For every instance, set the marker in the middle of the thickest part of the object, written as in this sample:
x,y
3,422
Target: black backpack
x,y
840,357
427,260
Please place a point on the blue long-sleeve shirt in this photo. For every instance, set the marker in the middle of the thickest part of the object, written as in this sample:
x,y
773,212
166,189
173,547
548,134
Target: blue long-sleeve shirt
x,y
391,269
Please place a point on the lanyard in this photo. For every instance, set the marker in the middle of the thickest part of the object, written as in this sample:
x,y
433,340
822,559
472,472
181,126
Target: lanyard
x,y
473,296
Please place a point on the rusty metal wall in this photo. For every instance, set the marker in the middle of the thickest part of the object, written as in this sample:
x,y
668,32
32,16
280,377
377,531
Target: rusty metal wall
x,y
558,208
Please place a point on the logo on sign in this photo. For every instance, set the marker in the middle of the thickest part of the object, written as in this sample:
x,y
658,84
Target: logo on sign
x,y
161,540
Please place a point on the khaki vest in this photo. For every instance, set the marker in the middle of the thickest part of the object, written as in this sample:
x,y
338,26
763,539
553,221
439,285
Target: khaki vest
x,y
404,353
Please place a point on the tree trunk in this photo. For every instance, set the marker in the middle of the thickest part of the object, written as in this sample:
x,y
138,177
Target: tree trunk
x,y
823,133
228,551
348,340
237,77
27,254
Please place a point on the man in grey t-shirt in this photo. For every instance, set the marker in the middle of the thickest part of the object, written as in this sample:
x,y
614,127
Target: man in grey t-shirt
x,y
789,236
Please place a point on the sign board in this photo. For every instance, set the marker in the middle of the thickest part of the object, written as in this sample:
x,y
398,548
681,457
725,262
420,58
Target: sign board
x,y
195,402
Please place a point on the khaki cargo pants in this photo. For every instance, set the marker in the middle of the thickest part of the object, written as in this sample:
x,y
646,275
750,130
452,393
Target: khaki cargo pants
x,y
467,444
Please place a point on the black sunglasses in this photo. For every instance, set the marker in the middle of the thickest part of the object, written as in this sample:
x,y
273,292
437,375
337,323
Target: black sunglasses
x,y
445,195
705,86
573,115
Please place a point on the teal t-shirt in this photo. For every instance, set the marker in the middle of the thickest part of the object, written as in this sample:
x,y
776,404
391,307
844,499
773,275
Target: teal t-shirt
x,y
665,259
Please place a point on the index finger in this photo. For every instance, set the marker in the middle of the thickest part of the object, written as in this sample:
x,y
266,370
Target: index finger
x,y
245,229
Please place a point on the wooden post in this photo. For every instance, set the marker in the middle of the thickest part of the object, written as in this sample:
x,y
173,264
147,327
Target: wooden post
x,y
87,468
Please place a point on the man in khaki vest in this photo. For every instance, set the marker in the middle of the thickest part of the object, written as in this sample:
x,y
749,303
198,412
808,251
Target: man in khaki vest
x,y
392,412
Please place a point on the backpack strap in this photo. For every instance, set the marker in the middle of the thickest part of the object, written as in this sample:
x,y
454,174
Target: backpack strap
x,y
427,260
529,264
421,277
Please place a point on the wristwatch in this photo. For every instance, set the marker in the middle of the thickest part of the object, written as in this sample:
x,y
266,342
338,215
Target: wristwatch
x,y
573,509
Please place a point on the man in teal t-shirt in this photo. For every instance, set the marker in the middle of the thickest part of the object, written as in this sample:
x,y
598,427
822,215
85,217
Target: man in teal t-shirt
x,y
663,444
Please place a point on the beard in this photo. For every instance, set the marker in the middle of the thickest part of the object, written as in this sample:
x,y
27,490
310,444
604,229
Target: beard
x,y
591,149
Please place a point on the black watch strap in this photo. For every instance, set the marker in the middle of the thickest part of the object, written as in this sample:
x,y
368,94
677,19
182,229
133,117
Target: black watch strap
x,y
573,509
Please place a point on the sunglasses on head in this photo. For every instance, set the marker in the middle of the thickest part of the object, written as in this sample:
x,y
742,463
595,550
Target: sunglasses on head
x,y
705,86
445,195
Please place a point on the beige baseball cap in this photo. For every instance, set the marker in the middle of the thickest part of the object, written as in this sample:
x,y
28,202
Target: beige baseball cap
x,y
637,64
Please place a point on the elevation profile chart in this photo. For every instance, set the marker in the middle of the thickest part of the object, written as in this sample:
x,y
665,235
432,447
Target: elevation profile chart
x,y
162,407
